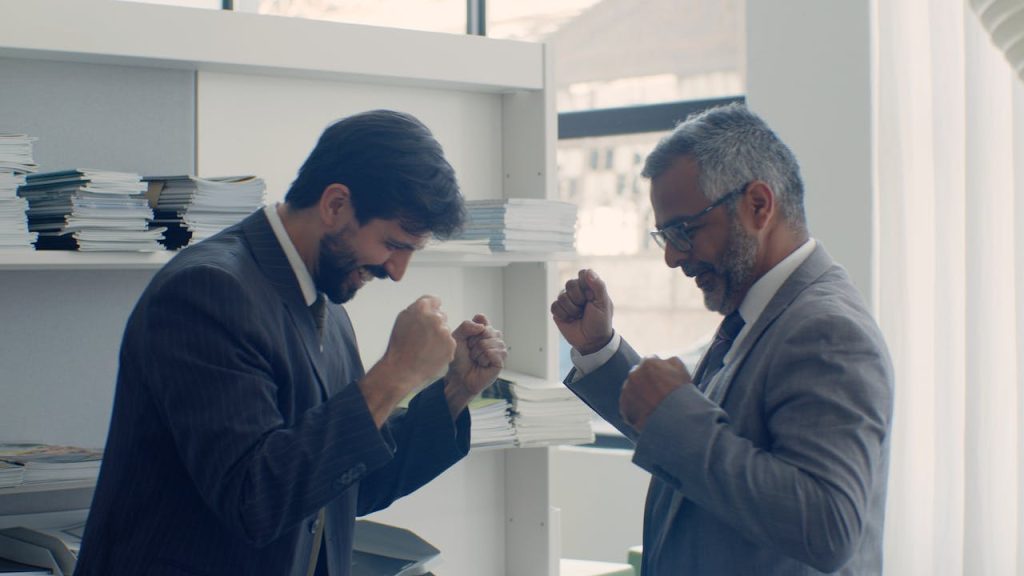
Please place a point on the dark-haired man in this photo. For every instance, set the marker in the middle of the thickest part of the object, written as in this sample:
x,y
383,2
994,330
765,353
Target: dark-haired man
x,y
245,436
772,459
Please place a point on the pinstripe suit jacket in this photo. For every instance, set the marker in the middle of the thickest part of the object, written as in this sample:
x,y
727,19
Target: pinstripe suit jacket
x,y
231,428
782,470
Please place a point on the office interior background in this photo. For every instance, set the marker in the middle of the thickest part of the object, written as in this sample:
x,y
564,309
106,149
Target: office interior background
x,y
908,122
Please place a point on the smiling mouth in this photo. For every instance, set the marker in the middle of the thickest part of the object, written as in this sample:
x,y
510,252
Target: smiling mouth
x,y
360,276
705,280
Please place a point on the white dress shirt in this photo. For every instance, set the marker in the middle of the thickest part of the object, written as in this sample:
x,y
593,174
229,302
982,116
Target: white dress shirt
x,y
298,266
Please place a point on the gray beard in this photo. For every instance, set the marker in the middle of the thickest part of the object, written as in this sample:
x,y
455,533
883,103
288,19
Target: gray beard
x,y
738,267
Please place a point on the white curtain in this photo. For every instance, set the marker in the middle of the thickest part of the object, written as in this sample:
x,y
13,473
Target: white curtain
x,y
949,135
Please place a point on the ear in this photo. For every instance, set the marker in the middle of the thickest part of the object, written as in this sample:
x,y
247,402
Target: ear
x,y
758,205
335,207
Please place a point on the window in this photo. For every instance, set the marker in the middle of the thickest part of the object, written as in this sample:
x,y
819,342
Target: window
x,y
430,15
626,72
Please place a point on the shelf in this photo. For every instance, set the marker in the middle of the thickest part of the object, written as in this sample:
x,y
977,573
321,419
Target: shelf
x,y
136,34
71,260
46,497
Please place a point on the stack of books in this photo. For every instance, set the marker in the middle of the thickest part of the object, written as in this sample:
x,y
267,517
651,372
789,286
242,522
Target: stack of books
x,y
90,210
521,225
15,162
543,413
193,208
42,463
11,474
492,423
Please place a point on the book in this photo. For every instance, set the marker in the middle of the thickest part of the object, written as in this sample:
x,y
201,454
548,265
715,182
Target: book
x,y
193,208
521,225
89,210
383,550
57,545
543,412
11,568
25,558
49,463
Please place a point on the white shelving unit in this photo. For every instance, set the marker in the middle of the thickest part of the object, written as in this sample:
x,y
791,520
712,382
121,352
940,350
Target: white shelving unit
x,y
250,94
70,260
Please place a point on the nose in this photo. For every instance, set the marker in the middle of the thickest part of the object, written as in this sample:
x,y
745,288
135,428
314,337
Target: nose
x,y
396,264
673,257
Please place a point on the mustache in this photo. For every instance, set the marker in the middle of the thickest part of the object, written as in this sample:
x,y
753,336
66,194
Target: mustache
x,y
694,270
376,271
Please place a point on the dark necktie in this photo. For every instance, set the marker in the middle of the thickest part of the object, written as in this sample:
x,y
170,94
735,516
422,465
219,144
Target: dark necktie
x,y
727,332
319,310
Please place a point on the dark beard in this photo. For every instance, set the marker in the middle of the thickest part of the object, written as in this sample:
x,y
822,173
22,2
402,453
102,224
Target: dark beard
x,y
337,262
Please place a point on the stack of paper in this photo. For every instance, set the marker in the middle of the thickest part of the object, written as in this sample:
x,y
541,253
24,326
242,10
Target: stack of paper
x,y
522,224
543,412
194,208
492,423
47,463
11,474
15,161
91,210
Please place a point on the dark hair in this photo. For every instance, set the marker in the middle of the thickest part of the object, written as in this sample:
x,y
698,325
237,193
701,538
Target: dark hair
x,y
733,146
393,167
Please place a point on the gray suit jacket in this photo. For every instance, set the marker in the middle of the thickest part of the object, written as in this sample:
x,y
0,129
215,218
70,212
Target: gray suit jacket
x,y
232,427
783,469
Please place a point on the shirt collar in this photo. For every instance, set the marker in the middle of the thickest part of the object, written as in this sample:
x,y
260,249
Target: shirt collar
x,y
298,266
761,293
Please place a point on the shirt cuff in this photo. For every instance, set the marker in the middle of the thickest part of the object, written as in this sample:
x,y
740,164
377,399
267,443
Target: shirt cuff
x,y
585,364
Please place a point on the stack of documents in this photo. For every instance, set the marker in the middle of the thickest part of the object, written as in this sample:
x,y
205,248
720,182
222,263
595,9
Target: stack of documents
x,y
194,208
47,463
522,225
15,162
11,474
492,423
543,412
91,210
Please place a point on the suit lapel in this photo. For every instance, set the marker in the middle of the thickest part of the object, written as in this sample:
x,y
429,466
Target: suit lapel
x,y
806,274
269,255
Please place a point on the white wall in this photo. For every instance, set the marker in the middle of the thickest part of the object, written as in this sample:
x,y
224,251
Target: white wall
x,y
809,67
601,495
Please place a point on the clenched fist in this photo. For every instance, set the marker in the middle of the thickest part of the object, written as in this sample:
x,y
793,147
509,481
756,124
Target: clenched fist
x,y
648,383
419,350
479,357
421,344
583,313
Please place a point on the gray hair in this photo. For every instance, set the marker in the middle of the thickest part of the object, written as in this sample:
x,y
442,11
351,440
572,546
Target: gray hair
x,y
732,147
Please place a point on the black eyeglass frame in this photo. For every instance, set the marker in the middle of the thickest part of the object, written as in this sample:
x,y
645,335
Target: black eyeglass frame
x,y
675,233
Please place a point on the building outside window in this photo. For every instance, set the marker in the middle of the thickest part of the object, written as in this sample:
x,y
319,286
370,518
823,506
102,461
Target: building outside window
x,y
623,54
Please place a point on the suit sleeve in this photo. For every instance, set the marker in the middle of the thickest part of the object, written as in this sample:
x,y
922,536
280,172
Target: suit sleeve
x,y
601,389
828,402
212,378
427,442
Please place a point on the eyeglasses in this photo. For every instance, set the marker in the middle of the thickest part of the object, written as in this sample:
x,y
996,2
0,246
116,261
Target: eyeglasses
x,y
676,234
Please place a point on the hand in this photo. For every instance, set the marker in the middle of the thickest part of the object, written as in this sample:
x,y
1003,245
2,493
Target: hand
x,y
583,313
647,385
420,346
480,355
